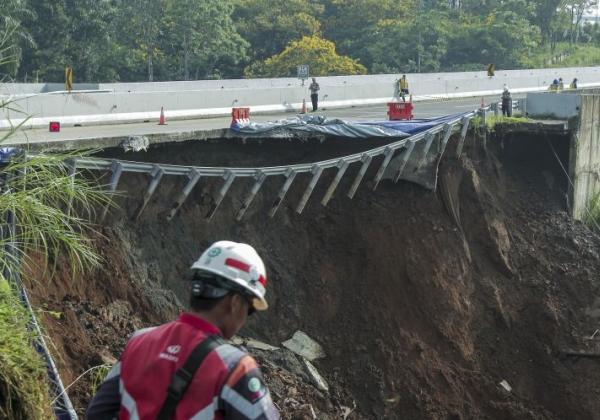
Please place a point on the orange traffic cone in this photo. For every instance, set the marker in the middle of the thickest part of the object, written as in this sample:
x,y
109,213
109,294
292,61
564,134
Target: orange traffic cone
x,y
161,120
303,110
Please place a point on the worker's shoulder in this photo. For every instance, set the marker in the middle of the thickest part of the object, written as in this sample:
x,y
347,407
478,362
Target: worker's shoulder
x,y
142,331
230,354
152,334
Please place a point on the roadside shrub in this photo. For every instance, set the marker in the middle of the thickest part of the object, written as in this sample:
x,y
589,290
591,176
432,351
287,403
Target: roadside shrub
x,y
24,392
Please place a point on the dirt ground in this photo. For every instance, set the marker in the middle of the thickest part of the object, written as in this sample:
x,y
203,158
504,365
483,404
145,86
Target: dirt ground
x,y
424,302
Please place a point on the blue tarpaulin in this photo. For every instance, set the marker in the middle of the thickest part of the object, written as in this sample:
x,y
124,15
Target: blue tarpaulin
x,y
318,124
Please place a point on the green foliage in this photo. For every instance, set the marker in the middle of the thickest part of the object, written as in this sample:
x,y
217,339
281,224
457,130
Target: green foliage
x,y
24,391
52,210
592,218
564,55
13,36
202,40
318,53
269,25
492,121
41,195
98,374
398,46
138,40
351,23
503,38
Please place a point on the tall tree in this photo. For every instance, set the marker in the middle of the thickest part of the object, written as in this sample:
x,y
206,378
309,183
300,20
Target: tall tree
x,y
14,36
203,38
89,42
408,45
576,9
503,38
50,28
140,25
269,25
545,13
318,53
351,23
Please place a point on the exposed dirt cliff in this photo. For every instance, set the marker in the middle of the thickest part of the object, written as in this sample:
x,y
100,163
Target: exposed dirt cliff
x,y
424,302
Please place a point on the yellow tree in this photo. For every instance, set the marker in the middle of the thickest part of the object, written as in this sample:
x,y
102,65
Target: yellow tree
x,y
317,52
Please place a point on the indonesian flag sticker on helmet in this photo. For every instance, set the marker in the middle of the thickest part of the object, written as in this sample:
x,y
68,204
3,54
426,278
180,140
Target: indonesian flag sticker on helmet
x,y
238,263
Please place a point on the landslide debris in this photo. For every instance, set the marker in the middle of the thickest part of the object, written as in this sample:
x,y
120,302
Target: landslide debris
x,y
427,305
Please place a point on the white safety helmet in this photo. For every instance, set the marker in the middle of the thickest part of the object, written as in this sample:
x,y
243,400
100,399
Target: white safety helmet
x,y
238,263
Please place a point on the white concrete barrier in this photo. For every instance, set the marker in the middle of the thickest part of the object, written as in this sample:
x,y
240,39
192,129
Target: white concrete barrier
x,y
559,105
132,102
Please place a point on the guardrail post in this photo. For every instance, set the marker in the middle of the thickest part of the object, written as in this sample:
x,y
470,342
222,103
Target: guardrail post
x,y
447,134
116,169
156,174
428,142
194,176
342,167
388,153
483,127
463,135
407,153
229,177
290,175
366,161
316,171
260,179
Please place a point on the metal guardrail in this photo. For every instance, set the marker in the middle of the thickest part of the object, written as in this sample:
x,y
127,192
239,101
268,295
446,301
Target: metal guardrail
x,y
290,172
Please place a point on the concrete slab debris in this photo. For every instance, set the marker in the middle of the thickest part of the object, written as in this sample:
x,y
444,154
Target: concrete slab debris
x,y
316,377
304,346
136,143
505,385
253,344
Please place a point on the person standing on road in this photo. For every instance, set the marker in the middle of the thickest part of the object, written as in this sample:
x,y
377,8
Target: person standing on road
x,y
314,94
403,87
561,85
506,102
185,369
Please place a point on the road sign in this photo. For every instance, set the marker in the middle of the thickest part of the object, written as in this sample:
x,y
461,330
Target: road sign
x,y
68,79
303,71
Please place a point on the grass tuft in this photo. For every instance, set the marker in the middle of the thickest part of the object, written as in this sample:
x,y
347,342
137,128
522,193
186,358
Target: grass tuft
x,y
24,392
592,218
491,121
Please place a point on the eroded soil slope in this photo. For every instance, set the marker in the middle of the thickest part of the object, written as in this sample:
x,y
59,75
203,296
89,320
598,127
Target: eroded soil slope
x,y
424,302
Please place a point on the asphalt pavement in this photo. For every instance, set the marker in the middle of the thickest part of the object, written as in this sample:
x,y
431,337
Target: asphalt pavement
x,y
185,129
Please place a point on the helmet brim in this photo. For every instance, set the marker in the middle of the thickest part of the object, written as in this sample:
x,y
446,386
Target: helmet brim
x,y
258,302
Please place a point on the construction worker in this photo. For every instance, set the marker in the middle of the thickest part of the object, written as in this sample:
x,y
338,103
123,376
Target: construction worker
x,y
561,85
314,94
573,84
506,102
403,87
554,86
185,369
